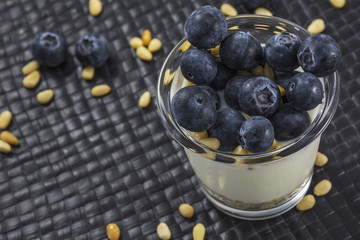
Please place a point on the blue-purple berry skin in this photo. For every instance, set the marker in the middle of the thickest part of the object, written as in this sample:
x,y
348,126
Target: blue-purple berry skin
x,y
206,27
223,75
193,109
233,90
319,54
92,50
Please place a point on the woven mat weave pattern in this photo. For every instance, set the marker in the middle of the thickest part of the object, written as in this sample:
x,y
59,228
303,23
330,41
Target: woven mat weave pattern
x,y
84,162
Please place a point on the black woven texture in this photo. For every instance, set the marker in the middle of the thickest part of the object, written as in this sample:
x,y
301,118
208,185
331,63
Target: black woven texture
x,y
85,162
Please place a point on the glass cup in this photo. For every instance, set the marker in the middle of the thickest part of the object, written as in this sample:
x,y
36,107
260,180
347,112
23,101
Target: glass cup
x,y
252,186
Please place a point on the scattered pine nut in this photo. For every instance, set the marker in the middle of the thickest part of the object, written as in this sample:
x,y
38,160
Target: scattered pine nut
x,y
144,99
163,231
239,150
5,119
322,188
144,54
338,3
268,72
4,147
186,210
199,135
258,71
8,137
100,90
95,7
30,67
306,203
263,11
32,79
154,45
282,90
146,37
112,231
228,10
199,232
185,46
316,26
136,42
88,73
45,96
212,143
321,159
215,51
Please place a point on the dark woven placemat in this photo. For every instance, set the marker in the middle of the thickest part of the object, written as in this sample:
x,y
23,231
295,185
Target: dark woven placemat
x,y
85,162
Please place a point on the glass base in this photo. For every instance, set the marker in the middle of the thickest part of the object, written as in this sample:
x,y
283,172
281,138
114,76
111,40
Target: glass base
x,y
259,214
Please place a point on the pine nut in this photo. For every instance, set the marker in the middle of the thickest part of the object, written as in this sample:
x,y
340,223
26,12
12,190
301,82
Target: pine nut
x,y
136,42
212,143
163,231
45,96
168,77
268,72
263,11
239,150
9,138
316,26
32,79
5,119
338,3
306,203
95,7
258,71
154,45
185,46
322,188
100,90
199,232
144,99
146,37
282,90
144,54
88,73
321,159
215,51
30,67
4,147
199,135
228,10
112,231
186,210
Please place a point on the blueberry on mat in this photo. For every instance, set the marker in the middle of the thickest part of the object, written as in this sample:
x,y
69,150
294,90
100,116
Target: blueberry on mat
x,y
304,91
193,109
92,50
319,54
226,127
233,90
198,66
206,27
241,51
259,96
289,123
256,134
281,51
49,49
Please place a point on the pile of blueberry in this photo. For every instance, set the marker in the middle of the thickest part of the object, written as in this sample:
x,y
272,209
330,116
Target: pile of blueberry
x,y
197,108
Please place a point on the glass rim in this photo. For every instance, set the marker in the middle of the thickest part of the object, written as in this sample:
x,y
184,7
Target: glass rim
x,y
316,128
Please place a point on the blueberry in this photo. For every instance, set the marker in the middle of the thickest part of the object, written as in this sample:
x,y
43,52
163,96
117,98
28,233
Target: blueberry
x,y
304,91
49,49
193,109
252,4
92,49
281,51
283,78
241,51
206,27
289,123
226,128
233,90
256,134
215,97
259,96
198,66
222,76
319,54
